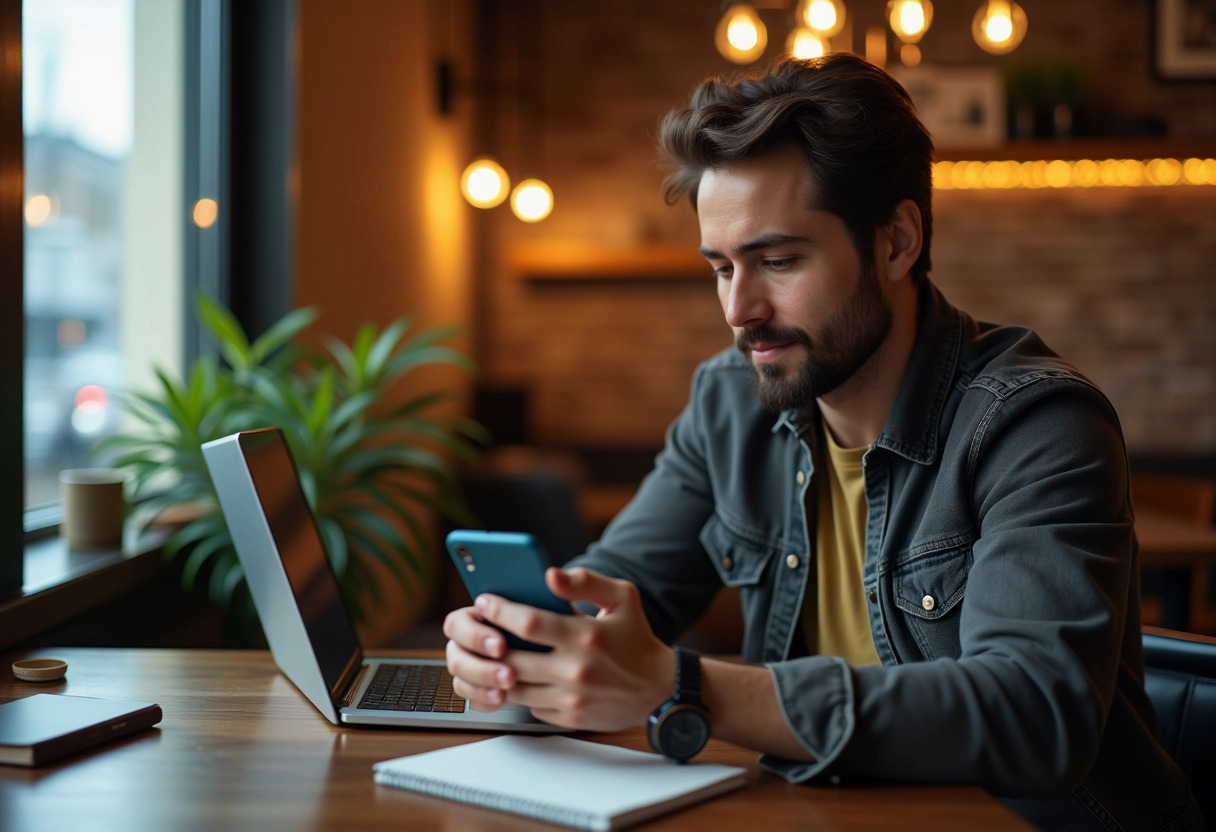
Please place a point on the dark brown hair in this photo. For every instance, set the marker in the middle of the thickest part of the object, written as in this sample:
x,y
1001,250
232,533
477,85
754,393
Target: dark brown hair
x,y
865,147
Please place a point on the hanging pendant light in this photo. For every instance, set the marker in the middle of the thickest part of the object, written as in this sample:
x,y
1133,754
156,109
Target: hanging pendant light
x,y
484,183
741,35
805,43
824,17
910,19
532,200
999,26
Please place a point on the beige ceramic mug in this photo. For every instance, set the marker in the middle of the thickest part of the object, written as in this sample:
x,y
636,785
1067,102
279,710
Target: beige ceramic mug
x,y
94,507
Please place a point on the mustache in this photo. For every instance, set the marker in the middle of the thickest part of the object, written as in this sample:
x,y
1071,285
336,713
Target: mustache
x,y
765,334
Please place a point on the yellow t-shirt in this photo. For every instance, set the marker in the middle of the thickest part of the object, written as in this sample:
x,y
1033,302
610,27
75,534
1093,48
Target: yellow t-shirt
x,y
835,619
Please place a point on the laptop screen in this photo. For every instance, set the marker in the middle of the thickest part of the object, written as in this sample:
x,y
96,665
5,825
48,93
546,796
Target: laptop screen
x,y
309,572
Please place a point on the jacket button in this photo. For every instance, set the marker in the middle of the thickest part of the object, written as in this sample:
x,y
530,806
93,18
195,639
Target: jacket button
x,y
792,561
873,596
728,564
800,477
928,603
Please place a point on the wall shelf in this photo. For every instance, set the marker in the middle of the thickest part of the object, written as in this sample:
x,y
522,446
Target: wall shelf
x,y
582,262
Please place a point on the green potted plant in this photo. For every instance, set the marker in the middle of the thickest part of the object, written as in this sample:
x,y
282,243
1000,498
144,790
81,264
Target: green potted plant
x,y
369,461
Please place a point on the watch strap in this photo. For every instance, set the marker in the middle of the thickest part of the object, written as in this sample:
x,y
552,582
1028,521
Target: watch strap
x,y
688,676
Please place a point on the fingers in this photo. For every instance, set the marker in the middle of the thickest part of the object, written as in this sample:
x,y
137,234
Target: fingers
x,y
472,650
480,699
466,627
581,584
482,681
527,622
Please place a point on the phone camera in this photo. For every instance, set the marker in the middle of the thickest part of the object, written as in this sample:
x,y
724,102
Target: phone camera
x,y
463,553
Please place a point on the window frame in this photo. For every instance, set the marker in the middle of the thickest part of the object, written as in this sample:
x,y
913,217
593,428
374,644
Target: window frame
x,y
12,301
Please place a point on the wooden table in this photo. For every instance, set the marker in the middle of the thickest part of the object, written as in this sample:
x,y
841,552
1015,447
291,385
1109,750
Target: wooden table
x,y
240,748
1176,546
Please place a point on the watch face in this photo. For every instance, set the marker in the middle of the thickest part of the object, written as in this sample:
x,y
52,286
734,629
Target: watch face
x,y
683,732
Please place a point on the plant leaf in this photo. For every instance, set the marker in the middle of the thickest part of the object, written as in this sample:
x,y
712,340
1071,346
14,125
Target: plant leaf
x,y
282,332
227,331
199,556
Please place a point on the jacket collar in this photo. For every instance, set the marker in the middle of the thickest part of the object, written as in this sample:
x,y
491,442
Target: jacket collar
x,y
912,428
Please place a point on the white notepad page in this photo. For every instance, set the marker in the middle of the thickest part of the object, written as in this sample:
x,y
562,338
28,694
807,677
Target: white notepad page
x,y
573,782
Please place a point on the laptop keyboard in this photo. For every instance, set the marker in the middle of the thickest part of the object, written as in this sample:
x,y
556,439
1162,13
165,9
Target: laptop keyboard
x,y
408,687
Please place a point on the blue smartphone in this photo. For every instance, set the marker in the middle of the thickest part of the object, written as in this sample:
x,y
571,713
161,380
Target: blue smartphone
x,y
509,564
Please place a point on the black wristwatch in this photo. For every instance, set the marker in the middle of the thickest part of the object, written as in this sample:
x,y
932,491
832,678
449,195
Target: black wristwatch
x,y
680,726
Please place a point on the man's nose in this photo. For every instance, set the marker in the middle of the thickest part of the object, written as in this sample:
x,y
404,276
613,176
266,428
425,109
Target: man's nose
x,y
744,300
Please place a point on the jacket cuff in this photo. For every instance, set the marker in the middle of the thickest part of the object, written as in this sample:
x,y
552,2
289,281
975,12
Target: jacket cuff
x,y
815,695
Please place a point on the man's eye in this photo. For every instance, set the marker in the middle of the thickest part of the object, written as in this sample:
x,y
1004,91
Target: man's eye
x,y
722,272
780,264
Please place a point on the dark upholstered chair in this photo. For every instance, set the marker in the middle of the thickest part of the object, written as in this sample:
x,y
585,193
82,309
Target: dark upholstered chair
x,y
1195,499
1180,676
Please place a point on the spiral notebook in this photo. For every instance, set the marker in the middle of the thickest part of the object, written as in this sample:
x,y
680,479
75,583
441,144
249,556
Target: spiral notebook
x,y
587,785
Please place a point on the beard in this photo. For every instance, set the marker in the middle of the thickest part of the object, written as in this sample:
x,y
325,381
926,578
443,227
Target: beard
x,y
846,341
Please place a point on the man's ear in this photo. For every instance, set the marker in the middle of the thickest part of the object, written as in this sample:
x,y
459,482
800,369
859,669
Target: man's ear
x,y
904,237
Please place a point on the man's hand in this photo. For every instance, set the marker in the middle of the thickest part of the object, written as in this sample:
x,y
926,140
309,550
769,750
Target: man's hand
x,y
603,673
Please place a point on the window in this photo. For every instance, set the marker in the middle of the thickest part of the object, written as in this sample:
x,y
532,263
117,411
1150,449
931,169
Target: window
x,y
102,120
114,124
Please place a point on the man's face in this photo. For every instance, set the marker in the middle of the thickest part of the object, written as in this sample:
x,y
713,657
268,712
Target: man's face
x,y
803,305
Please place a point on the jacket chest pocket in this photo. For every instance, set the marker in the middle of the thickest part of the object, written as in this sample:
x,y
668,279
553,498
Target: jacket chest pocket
x,y
746,565
927,592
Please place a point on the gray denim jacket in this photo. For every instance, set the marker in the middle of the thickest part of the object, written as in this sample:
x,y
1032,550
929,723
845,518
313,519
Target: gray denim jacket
x,y
1000,571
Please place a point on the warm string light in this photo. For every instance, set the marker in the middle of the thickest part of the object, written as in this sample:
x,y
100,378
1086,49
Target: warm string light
x,y
909,19
1082,173
532,200
741,36
999,26
823,17
805,43
484,183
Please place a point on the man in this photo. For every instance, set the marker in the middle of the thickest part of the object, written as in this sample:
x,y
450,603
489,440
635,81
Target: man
x,y
927,517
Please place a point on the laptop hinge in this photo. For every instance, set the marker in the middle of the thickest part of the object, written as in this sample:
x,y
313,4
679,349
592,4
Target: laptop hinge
x,y
354,667
354,687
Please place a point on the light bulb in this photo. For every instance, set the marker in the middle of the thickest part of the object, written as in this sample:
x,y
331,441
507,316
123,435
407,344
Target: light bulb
x,y
205,212
999,26
804,44
910,19
532,200
741,36
825,17
38,209
484,183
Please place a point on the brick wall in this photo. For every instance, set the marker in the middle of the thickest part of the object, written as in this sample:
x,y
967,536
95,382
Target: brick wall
x,y
1121,281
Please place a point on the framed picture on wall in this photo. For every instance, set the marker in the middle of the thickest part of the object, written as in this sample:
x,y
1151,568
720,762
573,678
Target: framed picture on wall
x,y
963,107
1184,40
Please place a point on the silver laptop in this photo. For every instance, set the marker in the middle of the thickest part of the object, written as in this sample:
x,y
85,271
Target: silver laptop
x,y
306,622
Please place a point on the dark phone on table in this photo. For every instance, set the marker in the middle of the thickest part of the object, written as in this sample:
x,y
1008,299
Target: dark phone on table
x,y
509,564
